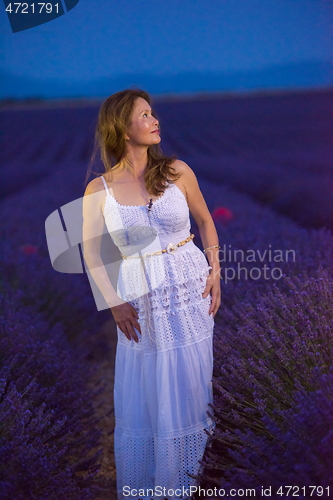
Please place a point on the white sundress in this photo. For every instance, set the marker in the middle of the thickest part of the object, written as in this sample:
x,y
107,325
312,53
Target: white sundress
x,y
163,383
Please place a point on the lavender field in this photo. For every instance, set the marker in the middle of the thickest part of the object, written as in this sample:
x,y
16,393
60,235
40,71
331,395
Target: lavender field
x,y
264,164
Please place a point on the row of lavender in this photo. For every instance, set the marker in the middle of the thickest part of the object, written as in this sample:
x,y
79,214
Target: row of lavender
x,y
273,338
50,436
273,376
276,334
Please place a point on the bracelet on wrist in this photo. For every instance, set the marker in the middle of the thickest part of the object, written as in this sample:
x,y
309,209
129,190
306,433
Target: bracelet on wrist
x,y
214,246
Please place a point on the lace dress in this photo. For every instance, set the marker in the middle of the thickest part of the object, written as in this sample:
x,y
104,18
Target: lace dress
x,y
163,383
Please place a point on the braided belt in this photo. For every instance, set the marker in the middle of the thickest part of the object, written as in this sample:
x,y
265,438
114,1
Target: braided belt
x,y
171,248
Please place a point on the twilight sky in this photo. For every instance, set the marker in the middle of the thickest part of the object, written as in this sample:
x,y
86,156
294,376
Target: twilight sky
x,y
110,38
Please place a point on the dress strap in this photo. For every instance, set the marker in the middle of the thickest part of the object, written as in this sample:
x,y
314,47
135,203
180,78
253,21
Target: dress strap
x,y
108,191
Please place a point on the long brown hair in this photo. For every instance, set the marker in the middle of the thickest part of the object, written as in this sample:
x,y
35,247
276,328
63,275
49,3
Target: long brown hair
x,y
113,120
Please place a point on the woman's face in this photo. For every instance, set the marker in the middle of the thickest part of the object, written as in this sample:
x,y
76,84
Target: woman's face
x,y
141,131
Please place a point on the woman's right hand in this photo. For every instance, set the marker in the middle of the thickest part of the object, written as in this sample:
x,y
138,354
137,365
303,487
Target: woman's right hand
x,y
126,317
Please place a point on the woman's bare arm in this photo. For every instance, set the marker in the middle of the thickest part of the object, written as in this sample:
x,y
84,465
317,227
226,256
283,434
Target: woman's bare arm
x,y
207,230
93,226
92,230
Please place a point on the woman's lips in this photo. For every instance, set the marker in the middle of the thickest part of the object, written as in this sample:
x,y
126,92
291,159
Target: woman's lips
x,y
155,132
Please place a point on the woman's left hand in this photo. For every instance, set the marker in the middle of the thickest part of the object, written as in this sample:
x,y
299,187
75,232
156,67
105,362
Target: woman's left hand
x,y
213,286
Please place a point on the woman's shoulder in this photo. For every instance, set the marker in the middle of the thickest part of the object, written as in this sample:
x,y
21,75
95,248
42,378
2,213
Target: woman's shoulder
x,y
180,166
95,185
187,174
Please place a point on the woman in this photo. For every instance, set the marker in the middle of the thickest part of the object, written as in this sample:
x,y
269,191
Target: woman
x,y
165,302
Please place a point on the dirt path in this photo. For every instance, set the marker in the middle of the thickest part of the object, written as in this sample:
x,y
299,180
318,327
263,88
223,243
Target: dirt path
x,y
104,378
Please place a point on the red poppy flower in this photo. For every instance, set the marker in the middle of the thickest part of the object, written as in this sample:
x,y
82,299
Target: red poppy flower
x,y
222,215
29,249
